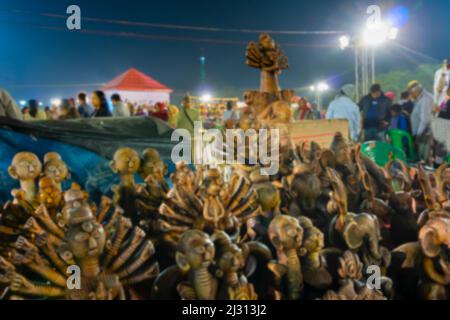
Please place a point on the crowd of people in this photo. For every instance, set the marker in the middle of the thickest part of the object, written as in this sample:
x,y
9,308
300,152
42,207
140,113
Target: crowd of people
x,y
67,109
98,106
378,112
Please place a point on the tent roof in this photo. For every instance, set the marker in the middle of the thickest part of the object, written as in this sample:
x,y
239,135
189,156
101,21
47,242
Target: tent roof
x,y
134,80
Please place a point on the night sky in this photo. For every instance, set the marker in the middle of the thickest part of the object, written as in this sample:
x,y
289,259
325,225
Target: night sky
x,y
41,59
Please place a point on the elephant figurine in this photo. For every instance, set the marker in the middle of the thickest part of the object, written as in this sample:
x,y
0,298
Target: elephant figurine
x,y
352,283
425,263
357,232
300,262
403,220
307,199
286,235
233,266
191,278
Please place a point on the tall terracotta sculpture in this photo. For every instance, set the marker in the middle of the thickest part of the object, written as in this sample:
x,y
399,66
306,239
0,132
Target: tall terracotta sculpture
x,y
267,56
270,105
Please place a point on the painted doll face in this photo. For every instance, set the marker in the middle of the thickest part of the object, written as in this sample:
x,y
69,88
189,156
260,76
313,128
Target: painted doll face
x,y
197,250
156,169
25,166
86,239
126,161
232,260
57,170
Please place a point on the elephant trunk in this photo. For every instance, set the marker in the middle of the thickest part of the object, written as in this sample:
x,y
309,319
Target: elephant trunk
x,y
374,245
430,269
203,284
294,274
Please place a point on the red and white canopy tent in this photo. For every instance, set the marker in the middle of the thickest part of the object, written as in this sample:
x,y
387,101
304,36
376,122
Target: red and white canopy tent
x,y
136,87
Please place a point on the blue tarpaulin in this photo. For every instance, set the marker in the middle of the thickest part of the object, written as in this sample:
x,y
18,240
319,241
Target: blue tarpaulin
x,y
87,147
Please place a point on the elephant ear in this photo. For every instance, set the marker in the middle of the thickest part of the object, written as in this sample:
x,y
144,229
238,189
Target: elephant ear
x,y
429,242
327,159
427,189
440,182
353,235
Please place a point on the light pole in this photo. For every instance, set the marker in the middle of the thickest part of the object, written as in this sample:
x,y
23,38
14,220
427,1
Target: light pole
x,y
319,89
364,46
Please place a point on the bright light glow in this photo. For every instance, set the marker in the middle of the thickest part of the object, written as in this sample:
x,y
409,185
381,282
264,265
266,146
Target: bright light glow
x,y
206,98
23,103
55,102
393,33
379,33
40,104
344,42
322,86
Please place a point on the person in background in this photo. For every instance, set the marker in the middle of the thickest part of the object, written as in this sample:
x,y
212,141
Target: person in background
x,y
230,117
188,116
100,105
160,112
406,103
48,112
315,111
343,107
304,111
35,113
399,119
441,83
445,110
421,119
174,112
84,109
72,103
25,111
119,108
67,110
8,107
391,96
131,108
140,111
375,113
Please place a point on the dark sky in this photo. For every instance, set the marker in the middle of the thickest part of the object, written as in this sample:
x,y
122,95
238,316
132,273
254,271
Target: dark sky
x,y
42,63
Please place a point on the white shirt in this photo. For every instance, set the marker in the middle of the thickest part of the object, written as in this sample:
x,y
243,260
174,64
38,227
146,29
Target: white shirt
x,y
342,107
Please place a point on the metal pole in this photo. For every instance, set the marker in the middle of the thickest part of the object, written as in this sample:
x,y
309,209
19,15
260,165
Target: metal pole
x,y
363,70
319,101
366,71
357,96
373,66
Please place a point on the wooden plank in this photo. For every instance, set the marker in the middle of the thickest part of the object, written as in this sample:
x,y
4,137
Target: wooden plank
x,y
319,131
